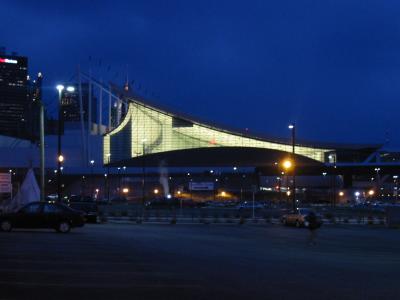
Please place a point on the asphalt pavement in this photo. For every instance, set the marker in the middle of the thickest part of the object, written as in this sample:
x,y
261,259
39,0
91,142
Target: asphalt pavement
x,y
112,261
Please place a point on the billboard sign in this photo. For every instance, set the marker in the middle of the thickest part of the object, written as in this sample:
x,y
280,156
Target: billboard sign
x,y
201,186
8,61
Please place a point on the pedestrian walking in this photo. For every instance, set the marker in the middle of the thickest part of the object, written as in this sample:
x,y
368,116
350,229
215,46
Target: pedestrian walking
x,y
312,224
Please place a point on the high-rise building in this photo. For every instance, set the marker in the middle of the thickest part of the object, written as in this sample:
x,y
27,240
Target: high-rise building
x,y
14,96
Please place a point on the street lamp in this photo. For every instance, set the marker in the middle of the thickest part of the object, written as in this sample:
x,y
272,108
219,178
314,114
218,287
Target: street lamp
x,y
119,181
287,164
60,158
396,187
333,158
107,177
378,179
292,127
144,171
91,177
123,175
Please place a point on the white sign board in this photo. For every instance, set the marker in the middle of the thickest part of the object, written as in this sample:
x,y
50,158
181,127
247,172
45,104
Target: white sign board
x,y
5,183
5,187
201,186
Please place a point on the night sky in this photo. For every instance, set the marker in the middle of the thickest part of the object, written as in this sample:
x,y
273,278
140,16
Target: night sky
x,y
331,66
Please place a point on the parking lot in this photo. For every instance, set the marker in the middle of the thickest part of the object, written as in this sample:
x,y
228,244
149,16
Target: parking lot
x,y
215,261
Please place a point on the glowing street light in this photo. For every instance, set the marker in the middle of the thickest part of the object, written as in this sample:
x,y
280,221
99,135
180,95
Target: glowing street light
x,y
287,164
125,190
371,192
60,158
155,191
341,194
60,88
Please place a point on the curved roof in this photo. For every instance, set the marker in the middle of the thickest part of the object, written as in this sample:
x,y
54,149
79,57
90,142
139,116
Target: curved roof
x,y
131,96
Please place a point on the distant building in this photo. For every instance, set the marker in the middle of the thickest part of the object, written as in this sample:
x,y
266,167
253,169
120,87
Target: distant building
x,y
71,106
33,112
14,96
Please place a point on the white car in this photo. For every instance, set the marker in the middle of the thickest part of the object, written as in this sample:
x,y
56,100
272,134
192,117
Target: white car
x,y
298,217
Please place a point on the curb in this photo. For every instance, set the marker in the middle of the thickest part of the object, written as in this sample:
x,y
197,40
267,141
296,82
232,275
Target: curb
x,y
236,221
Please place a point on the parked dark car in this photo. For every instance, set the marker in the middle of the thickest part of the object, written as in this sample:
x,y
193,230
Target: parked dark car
x,y
90,209
43,215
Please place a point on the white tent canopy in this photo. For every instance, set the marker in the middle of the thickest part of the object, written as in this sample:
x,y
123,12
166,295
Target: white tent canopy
x,y
29,192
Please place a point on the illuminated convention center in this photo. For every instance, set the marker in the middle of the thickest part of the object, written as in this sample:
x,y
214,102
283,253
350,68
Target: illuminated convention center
x,y
176,140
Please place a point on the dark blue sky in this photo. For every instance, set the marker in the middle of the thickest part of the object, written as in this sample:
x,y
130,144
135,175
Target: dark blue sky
x,y
332,66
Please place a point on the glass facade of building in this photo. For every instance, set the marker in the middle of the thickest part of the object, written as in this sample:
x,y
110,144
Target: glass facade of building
x,y
149,130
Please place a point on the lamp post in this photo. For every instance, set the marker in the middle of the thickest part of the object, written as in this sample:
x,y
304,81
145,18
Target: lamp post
x,y
60,157
287,165
91,178
108,177
144,172
292,127
123,175
333,157
378,181
279,188
105,185
396,187
42,156
119,182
